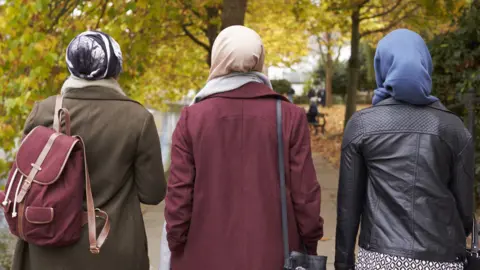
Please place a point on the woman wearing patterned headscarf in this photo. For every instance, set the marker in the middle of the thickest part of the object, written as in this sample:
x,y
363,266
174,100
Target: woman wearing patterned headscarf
x,y
93,58
123,156
223,202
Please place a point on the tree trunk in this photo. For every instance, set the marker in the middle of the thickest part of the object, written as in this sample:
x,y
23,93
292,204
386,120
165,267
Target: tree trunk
x,y
212,29
328,79
353,66
233,12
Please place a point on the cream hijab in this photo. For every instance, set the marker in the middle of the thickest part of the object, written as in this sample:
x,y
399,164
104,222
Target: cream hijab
x,y
236,49
237,59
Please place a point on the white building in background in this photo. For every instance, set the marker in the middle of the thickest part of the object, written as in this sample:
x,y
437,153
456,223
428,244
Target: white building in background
x,y
296,78
299,73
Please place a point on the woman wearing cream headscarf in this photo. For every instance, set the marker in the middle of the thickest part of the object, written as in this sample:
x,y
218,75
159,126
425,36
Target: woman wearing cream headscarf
x,y
223,200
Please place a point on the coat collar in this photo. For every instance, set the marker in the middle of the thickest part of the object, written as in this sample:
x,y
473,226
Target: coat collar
x,y
391,101
249,91
96,93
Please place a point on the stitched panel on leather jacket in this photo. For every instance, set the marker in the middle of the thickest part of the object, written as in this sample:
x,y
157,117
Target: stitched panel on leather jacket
x,y
407,177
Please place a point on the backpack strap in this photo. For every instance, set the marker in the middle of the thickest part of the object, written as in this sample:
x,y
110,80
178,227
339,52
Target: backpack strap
x,y
56,116
92,213
59,115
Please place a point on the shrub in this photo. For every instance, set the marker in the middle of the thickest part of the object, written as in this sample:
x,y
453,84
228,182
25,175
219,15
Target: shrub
x,y
303,99
281,86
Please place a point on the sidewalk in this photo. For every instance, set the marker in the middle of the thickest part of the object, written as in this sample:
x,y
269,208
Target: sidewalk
x,y
326,175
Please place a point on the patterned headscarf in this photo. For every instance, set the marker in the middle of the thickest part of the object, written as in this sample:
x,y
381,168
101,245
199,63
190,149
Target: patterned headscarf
x,y
94,55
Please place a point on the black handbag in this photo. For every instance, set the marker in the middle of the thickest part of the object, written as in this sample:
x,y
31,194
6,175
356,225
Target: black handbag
x,y
295,260
473,254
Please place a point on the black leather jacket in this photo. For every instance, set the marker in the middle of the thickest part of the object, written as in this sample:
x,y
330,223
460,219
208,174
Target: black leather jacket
x,y
407,175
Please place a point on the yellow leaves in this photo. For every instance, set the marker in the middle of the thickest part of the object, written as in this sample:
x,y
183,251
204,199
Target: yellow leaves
x,y
284,37
7,129
142,3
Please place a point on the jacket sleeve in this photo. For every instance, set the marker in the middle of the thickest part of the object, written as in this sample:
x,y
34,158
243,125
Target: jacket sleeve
x,y
463,183
305,189
149,174
30,121
351,190
178,204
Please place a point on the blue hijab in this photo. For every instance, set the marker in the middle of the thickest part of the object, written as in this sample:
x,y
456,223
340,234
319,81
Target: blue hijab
x,y
403,69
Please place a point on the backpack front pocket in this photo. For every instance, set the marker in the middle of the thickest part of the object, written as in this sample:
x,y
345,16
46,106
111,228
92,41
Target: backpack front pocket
x,y
38,223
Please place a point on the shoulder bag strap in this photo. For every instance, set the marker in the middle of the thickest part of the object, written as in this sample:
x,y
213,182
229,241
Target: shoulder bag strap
x,y
283,192
474,236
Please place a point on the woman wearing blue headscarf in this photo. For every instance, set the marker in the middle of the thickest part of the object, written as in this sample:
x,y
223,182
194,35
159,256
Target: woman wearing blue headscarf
x,y
406,171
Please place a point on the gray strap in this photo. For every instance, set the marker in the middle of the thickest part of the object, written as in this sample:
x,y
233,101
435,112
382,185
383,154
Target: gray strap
x,y
474,236
283,192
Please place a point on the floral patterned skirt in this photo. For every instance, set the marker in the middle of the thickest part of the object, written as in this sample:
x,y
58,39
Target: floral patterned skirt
x,y
368,260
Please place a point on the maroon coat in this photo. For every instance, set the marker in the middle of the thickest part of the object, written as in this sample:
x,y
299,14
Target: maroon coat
x,y
223,197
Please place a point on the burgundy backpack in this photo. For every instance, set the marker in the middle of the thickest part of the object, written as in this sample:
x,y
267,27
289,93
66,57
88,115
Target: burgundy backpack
x,y
43,202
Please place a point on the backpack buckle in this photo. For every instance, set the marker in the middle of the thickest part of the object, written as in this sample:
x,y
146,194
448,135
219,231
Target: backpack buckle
x,y
36,167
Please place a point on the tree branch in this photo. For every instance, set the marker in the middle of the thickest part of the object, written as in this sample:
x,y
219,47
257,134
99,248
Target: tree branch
x,y
321,39
337,58
363,3
189,7
391,24
381,14
51,7
369,8
195,39
66,8
322,54
104,8
347,7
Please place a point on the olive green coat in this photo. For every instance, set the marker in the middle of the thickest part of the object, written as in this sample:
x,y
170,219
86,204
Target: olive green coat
x,y
125,163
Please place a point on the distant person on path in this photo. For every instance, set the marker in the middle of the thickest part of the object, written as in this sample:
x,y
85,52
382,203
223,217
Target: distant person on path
x,y
407,170
311,93
290,94
322,97
123,156
223,201
312,113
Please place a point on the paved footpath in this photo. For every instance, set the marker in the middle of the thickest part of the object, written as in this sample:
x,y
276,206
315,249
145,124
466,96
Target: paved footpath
x,y
326,175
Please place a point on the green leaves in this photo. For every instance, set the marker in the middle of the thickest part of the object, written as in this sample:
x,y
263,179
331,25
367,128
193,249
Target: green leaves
x,y
130,6
41,5
455,56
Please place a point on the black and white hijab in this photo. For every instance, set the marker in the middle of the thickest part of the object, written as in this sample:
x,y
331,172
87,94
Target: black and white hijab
x,y
93,58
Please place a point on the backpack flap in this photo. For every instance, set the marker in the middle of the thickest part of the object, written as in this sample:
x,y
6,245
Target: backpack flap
x,y
42,157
